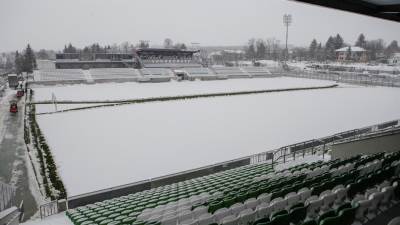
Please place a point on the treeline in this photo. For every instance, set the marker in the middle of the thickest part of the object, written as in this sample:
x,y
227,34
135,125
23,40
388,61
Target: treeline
x,y
272,49
264,49
376,48
124,47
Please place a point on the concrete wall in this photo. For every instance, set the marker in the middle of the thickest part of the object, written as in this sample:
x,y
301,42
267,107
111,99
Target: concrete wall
x,y
102,195
370,145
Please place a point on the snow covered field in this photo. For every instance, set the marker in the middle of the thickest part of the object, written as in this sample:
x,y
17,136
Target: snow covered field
x,y
118,91
104,147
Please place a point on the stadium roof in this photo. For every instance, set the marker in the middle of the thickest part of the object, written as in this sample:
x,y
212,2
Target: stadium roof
x,y
385,9
353,49
165,50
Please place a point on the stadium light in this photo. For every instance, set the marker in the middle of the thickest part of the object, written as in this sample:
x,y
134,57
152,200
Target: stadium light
x,y
287,20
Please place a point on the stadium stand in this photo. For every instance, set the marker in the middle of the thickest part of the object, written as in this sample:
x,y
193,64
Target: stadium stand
x,y
59,75
322,192
114,73
155,74
201,73
257,71
231,72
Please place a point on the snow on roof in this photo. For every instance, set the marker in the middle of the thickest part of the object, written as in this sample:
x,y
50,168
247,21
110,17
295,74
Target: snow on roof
x,y
395,55
353,49
227,51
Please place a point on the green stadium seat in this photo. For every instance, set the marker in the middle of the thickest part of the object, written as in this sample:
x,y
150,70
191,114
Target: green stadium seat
x,y
347,215
298,214
261,221
309,222
282,219
330,213
331,221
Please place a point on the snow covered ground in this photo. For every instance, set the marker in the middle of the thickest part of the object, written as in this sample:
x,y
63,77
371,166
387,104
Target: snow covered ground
x,y
104,147
118,91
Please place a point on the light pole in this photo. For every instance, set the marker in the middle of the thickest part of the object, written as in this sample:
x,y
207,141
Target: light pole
x,y
287,20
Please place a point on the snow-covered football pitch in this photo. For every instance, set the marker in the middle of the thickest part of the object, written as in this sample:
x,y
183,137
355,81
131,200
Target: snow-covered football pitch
x,y
104,147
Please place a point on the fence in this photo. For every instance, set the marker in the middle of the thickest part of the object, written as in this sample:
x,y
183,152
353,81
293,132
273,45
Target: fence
x,y
323,144
346,77
7,196
48,209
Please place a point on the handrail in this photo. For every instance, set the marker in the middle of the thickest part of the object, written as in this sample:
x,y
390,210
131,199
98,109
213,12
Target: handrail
x,y
7,195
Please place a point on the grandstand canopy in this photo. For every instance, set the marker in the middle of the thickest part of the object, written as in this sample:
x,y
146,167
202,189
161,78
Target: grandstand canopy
x,y
385,9
146,52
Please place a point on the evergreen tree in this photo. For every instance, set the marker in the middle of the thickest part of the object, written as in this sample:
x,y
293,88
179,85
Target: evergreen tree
x,y
361,42
29,60
338,40
86,50
393,47
312,49
69,49
330,48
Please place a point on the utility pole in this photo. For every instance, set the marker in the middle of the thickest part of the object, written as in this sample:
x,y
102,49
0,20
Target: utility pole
x,y
287,20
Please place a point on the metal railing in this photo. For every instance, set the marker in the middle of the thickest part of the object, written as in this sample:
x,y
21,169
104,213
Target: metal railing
x,y
48,209
323,144
346,77
7,196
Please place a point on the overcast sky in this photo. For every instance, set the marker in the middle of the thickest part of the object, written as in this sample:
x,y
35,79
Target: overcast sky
x,y
50,24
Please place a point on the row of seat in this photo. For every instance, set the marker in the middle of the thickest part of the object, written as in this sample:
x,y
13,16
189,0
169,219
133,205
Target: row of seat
x,y
198,71
110,73
60,74
230,71
236,191
132,205
249,204
257,71
156,72
327,198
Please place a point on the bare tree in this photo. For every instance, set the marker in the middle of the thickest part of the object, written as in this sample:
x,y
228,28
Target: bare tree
x,y
272,48
125,46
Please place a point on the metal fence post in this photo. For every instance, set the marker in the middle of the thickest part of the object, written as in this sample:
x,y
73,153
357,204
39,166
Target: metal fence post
x,y
284,156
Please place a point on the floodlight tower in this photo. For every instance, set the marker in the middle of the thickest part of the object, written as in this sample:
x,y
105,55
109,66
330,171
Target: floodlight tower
x,y
287,20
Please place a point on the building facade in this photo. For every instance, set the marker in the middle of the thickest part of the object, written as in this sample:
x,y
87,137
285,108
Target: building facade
x,y
351,53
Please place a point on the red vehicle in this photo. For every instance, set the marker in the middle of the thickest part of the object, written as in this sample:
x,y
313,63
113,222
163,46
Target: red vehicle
x,y
20,93
13,107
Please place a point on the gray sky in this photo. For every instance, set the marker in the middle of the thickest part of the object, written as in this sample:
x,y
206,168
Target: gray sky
x,y
52,23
